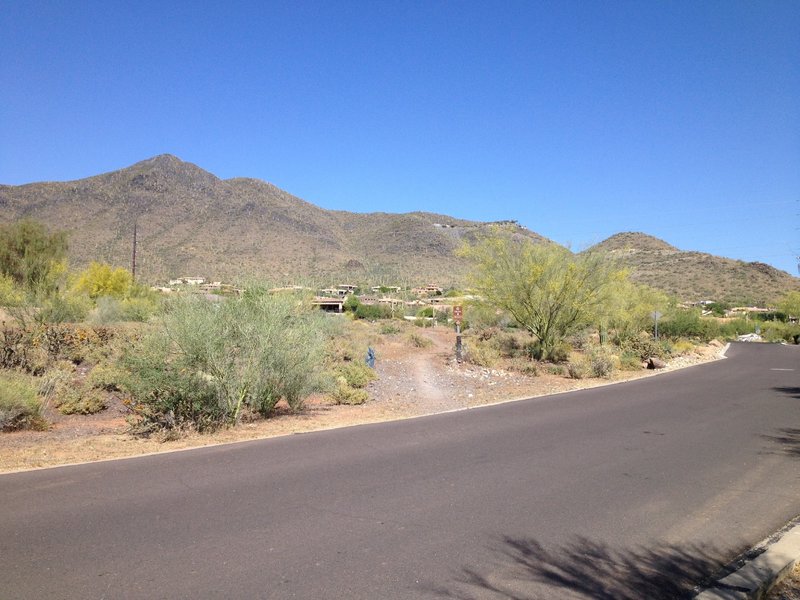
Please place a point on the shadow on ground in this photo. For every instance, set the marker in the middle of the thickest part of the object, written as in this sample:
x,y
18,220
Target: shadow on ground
x,y
586,569
786,441
794,392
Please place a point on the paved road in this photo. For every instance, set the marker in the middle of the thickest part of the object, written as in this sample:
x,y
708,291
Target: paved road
x,y
635,490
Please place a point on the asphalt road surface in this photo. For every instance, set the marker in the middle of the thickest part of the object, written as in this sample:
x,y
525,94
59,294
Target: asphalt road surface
x,y
637,490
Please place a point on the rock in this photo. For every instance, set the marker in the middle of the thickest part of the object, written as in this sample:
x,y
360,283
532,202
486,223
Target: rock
x,y
655,363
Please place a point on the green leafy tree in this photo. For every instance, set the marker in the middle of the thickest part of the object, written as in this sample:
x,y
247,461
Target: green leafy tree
x,y
629,307
790,304
545,288
31,256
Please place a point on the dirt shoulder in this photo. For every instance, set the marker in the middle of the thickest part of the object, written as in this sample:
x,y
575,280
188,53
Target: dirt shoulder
x,y
411,382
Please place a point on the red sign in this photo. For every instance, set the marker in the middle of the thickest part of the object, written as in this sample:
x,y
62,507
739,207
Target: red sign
x,y
458,314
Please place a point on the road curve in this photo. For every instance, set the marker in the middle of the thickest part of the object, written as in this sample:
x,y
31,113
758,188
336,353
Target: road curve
x,y
636,490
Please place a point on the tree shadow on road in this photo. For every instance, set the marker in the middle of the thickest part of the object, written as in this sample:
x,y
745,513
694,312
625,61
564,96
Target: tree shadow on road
x,y
587,569
794,392
787,441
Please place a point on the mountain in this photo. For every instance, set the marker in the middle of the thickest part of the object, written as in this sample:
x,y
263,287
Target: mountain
x,y
695,276
190,222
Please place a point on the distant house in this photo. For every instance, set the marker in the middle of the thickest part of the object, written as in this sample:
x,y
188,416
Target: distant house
x,y
428,290
188,281
335,305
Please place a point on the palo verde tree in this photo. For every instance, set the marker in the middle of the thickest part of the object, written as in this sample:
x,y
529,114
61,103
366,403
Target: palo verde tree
x,y
544,287
790,304
32,257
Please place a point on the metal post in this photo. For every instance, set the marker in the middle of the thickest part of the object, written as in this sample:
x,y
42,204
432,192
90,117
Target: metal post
x,y
458,342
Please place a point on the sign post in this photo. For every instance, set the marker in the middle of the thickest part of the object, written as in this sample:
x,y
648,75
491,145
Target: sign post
x,y
656,316
458,315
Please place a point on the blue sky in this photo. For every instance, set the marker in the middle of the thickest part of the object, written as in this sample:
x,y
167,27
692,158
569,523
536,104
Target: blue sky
x,y
578,119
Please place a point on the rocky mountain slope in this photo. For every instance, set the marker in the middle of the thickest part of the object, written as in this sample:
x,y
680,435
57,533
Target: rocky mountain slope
x,y
190,222
695,276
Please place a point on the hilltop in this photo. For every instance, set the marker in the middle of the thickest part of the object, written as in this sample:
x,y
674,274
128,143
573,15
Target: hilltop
x,y
695,276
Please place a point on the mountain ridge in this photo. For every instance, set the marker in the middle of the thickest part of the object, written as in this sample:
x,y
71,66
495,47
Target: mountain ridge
x,y
190,221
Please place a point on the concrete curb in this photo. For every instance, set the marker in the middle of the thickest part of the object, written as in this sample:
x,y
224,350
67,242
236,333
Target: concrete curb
x,y
754,579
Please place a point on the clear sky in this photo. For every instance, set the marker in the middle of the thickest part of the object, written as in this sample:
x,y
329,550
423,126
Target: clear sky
x,y
578,119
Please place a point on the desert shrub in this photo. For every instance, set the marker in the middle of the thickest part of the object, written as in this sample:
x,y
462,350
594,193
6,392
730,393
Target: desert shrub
x,y
419,341
372,312
106,377
481,355
344,393
107,310
557,370
533,350
508,345
64,308
425,313
775,331
559,353
16,347
140,308
601,363
356,374
643,346
525,366
629,361
80,401
578,368
206,360
682,346
10,293
20,406
389,328
736,327
689,324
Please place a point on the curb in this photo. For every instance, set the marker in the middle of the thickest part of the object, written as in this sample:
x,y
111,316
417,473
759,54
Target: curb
x,y
754,579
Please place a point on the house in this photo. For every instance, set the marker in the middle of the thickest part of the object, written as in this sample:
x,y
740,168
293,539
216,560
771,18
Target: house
x,y
335,305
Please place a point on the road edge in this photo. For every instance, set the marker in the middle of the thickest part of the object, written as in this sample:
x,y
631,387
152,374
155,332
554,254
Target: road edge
x,y
757,576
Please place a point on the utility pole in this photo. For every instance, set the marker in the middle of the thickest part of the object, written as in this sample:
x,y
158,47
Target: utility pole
x,y
133,258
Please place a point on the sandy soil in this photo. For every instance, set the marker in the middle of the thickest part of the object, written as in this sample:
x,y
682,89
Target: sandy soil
x,y
411,382
788,589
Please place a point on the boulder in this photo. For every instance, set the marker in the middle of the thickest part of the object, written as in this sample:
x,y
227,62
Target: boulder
x,y
655,363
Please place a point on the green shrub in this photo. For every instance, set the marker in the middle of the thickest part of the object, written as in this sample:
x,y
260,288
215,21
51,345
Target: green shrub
x,y
389,328
78,401
356,374
20,406
208,360
689,324
643,347
64,308
106,377
579,368
419,341
346,394
629,361
480,355
372,312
